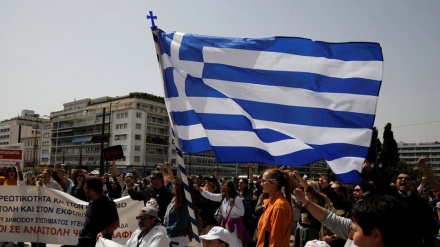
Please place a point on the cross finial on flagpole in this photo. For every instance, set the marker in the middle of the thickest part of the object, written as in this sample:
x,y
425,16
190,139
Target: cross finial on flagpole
x,y
152,17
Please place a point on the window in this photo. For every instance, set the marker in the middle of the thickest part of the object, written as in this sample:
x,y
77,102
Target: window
x,y
124,147
121,126
137,137
120,137
138,115
137,148
46,135
137,158
138,126
122,115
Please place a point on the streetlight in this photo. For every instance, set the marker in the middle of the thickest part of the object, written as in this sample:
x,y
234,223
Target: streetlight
x,y
110,123
35,140
80,155
56,140
109,129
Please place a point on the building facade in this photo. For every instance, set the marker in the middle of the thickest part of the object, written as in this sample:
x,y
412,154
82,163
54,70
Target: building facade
x,y
411,152
26,129
138,122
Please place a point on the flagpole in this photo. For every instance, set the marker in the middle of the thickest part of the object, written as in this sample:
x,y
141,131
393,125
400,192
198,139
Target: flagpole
x,y
180,159
188,188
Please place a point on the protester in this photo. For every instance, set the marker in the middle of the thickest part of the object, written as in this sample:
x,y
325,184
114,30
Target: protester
x,y
114,189
157,190
2,175
176,218
78,188
247,196
275,224
374,221
232,210
207,207
11,176
219,237
59,175
47,180
150,232
101,214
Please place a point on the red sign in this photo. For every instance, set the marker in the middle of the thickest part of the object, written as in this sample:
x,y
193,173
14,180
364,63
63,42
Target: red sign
x,y
10,154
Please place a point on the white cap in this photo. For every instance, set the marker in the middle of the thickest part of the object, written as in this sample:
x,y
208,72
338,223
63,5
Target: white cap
x,y
218,232
316,243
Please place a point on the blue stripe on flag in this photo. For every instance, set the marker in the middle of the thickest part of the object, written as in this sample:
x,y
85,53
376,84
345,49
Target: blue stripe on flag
x,y
276,113
192,46
309,81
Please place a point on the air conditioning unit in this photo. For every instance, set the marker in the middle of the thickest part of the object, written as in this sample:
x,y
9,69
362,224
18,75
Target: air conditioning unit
x,y
116,137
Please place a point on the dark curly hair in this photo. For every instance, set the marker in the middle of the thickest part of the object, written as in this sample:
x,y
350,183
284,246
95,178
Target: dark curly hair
x,y
179,194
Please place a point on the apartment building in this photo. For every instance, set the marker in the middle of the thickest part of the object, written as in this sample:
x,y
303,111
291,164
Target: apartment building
x,y
138,122
25,128
411,152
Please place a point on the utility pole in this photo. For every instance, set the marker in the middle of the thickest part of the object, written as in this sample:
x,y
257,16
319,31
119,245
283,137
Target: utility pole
x,y
101,161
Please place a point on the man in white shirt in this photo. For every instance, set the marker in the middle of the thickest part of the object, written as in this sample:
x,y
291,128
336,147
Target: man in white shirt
x,y
150,231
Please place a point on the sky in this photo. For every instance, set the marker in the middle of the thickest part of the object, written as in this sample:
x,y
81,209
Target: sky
x,y
56,51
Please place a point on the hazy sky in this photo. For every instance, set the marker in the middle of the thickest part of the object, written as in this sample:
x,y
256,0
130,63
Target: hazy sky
x,y
52,52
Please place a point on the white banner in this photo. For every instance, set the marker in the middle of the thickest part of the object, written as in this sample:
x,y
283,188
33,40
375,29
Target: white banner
x,y
10,154
39,214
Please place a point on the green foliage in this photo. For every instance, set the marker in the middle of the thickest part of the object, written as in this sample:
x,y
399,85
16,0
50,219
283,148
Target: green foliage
x,y
402,167
389,155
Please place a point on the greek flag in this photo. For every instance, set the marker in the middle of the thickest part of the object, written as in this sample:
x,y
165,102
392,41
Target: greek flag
x,y
278,100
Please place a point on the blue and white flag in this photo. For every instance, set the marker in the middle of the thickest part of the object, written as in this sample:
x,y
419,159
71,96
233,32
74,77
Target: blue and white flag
x,y
279,100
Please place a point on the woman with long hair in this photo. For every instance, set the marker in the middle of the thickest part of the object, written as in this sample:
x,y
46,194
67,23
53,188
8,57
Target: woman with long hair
x,y
232,209
78,185
275,224
176,217
11,176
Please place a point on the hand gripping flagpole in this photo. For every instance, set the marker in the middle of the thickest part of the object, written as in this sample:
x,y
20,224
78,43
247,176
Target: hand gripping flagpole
x,y
180,159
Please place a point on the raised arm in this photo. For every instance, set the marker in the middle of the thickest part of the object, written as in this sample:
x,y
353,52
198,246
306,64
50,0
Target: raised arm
x,y
429,174
20,173
165,175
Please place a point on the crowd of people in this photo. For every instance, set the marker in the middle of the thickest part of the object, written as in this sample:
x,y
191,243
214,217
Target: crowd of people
x,y
264,210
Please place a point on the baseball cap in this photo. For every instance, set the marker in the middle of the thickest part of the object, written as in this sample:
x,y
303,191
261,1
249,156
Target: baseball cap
x,y
151,211
129,174
316,243
218,232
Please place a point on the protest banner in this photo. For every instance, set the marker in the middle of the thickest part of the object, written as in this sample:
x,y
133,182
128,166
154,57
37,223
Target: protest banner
x,y
39,214
10,154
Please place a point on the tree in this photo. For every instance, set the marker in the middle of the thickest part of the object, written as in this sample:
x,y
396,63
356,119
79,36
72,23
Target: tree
x,y
389,155
375,148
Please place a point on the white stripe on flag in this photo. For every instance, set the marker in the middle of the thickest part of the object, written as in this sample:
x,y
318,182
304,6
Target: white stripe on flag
x,y
283,96
287,62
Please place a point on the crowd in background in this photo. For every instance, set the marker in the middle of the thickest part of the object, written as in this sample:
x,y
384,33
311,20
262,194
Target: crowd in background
x,y
241,202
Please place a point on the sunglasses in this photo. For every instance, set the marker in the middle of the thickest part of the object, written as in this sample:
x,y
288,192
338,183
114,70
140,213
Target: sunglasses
x,y
404,178
143,217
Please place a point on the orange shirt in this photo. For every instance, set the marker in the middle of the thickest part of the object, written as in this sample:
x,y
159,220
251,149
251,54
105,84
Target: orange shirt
x,y
10,182
277,220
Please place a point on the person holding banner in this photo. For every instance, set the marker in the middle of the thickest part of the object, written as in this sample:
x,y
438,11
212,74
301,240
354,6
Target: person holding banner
x,y
11,176
47,180
150,232
101,215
